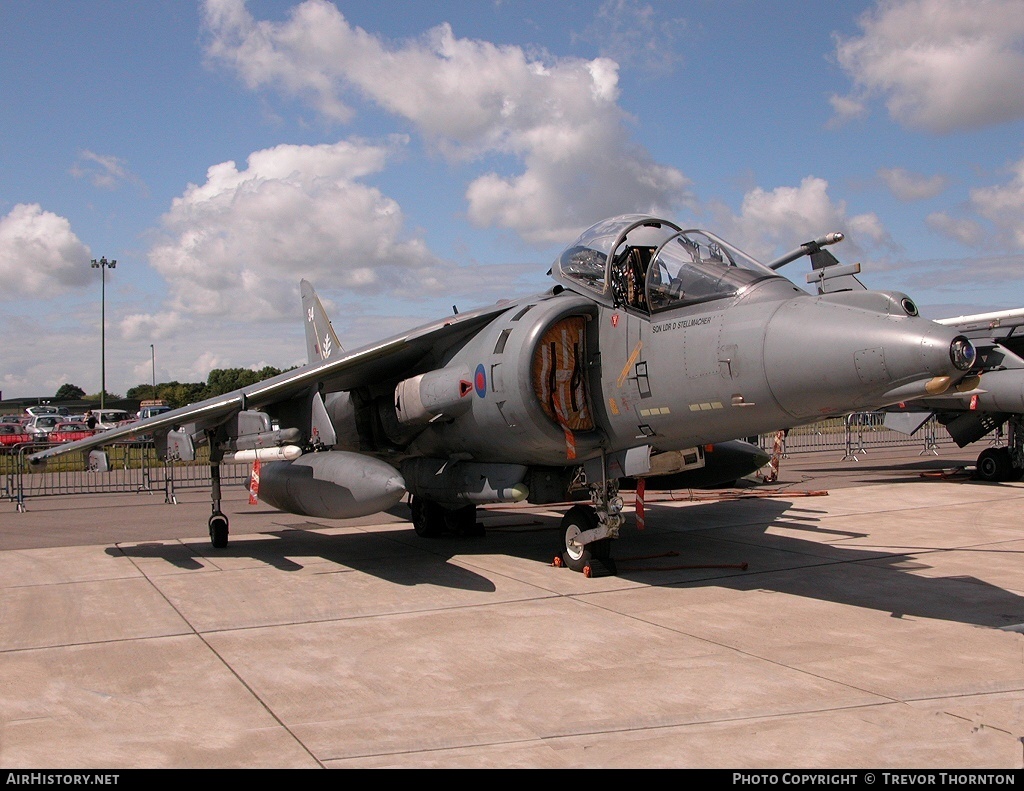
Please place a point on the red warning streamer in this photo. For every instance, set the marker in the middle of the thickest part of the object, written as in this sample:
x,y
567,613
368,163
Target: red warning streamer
x,y
254,483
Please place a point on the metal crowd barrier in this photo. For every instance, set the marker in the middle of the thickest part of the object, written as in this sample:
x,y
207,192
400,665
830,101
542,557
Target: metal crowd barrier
x,y
855,434
134,467
120,467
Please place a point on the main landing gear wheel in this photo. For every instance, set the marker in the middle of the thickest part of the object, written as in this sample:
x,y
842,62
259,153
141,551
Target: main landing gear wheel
x,y
427,518
219,531
585,558
994,464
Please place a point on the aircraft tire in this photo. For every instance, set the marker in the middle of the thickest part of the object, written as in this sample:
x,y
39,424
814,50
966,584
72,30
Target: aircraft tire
x,y
219,531
428,518
994,465
579,519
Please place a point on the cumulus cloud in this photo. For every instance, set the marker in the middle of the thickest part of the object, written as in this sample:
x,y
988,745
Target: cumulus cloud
x,y
774,221
1003,206
151,326
999,207
40,254
942,65
467,98
909,186
239,243
565,189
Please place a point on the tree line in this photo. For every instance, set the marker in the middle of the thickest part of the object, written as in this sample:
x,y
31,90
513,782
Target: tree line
x,y
178,394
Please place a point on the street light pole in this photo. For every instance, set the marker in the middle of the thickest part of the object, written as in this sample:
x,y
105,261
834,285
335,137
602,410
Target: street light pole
x,y
152,352
103,265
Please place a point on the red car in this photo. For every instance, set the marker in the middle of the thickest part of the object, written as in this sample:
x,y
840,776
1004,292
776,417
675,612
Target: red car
x,y
69,432
12,434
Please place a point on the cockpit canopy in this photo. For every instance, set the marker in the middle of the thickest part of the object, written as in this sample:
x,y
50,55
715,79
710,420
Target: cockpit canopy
x,y
653,265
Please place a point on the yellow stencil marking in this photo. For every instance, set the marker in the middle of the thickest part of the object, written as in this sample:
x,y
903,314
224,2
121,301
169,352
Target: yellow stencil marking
x,y
629,362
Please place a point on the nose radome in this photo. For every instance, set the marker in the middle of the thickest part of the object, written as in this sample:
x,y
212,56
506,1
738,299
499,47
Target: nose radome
x,y
827,358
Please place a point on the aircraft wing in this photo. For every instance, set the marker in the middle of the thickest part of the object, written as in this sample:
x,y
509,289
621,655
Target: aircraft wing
x,y
985,322
1004,328
388,358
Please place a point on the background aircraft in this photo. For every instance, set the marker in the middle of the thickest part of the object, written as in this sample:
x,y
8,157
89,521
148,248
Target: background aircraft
x,y
997,401
652,342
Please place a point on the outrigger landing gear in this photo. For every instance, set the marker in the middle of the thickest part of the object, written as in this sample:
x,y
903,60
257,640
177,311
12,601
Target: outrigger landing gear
x,y
589,529
218,522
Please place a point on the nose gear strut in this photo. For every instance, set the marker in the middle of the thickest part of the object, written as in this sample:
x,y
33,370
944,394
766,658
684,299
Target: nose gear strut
x,y
588,530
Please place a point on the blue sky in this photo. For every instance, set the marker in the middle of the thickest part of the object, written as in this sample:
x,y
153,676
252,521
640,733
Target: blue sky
x,y
407,157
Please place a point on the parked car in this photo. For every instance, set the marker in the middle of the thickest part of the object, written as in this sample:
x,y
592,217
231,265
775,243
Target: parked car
x,y
69,431
109,418
12,435
46,409
152,407
41,425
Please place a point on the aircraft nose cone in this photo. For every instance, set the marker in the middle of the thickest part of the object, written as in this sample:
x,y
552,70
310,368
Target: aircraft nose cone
x,y
962,353
824,357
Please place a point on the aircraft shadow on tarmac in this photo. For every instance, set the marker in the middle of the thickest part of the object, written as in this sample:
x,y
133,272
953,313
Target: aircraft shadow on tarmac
x,y
912,472
699,545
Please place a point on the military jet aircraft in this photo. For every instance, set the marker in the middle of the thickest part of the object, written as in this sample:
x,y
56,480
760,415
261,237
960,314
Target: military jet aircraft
x,y
709,466
653,340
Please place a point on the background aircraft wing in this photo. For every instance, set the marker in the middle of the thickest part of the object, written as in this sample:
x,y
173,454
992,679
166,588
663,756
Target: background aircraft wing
x,y
1004,328
386,359
983,322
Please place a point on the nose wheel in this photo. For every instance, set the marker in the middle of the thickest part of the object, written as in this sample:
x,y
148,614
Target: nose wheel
x,y
581,552
219,530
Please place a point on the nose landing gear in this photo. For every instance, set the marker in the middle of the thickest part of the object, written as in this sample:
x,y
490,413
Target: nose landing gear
x,y
588,531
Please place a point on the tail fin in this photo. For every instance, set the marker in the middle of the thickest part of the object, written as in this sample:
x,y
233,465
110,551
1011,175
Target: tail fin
x,y
321,340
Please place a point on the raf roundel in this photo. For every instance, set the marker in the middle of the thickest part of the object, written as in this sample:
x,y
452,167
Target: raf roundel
x,y
480,381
